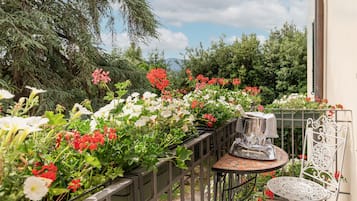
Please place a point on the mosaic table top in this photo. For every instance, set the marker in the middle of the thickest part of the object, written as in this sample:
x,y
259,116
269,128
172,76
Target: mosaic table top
x,y
229,163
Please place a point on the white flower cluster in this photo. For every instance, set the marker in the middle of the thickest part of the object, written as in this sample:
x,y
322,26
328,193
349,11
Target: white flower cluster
x,y
286,99
147,110
228,99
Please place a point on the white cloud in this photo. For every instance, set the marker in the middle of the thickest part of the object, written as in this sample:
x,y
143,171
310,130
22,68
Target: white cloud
x,y
265,14
262,38
168,41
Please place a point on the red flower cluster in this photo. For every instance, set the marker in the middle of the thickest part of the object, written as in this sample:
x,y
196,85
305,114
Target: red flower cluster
x,y
213,81
100,76
74,185
252,90
189,74
201,81
88,141
196,104
211,119
222,81
236,81
110,132
158,78
46,171
166,95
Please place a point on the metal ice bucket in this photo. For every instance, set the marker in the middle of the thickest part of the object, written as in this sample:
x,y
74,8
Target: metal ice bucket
x,y
254,131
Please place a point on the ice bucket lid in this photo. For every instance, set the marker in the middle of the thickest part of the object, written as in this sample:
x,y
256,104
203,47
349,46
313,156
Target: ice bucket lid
x,y
270,122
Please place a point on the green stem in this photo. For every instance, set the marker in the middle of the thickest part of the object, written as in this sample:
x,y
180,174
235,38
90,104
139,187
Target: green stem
x,y
65,149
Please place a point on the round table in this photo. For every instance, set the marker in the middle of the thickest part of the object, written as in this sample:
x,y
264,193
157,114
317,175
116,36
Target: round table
x,y
230,165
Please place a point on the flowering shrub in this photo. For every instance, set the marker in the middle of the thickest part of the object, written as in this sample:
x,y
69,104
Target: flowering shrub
x,y
59,158
213,102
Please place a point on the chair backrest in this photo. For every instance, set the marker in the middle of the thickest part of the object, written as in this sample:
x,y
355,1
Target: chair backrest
x,y
325,142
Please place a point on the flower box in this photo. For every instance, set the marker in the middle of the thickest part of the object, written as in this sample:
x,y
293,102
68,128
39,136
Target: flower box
x,y
224,137
121,190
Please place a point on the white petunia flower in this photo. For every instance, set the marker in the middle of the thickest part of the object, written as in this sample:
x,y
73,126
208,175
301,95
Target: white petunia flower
x,y
153,117
135,94
206,97
153,108
13,123
142,121
35,188
104,111
34,123
82,109
35,90
149,95
132,110
5,94
166,113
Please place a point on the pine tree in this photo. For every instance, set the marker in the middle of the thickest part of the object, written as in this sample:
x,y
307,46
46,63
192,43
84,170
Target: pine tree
x,y
53,44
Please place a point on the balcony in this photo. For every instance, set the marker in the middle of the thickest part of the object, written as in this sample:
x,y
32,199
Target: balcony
x,y
196,182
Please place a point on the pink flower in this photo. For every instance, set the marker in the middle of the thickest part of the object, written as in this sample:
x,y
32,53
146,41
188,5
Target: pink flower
x,y
260,108
100,76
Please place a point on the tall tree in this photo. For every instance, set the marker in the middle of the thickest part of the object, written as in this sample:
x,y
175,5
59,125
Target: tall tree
x,y
278,66
52,44
285,60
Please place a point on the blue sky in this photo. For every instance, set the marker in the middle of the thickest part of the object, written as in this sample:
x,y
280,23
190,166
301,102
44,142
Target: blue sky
x,y
186,23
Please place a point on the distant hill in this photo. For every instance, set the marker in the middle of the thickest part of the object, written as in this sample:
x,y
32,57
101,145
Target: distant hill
x,y
174,64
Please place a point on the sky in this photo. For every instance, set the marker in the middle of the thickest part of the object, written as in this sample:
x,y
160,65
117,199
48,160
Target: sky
x,y
187,23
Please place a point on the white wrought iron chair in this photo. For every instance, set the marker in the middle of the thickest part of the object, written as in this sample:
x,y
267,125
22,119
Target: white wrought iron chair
x,y
319,177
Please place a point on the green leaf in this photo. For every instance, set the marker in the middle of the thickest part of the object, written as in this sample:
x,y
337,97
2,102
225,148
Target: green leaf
x,y
109,96
182,154
58,191
55,119
92,160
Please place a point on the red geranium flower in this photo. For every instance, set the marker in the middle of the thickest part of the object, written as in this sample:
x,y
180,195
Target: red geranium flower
x,y
46,171
74,185
236,81
337,175
158,78
269,194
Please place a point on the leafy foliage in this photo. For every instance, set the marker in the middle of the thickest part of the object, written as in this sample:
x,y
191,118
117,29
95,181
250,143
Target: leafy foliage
x,y
278,66
52,45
